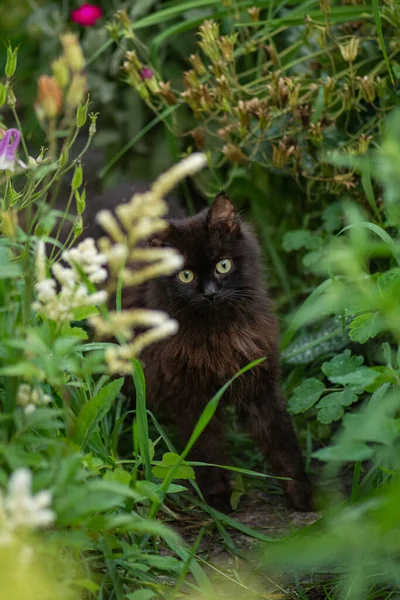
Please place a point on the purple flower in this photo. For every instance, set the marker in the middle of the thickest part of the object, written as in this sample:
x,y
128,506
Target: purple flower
x,y
8,149
146,73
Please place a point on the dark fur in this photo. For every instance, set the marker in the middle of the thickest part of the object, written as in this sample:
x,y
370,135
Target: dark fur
x,y
216,338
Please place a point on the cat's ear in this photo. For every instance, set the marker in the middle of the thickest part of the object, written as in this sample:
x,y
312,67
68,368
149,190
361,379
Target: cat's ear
x,y
162,238
222,213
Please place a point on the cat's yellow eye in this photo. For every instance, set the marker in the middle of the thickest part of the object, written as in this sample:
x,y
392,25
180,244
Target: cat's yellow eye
x,y
186,276
223,266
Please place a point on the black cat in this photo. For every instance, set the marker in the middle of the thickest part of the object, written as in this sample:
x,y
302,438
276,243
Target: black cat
x,y
225,322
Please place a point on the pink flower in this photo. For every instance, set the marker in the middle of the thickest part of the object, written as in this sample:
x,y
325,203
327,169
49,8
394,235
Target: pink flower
x,y
86,15
8,149
146,73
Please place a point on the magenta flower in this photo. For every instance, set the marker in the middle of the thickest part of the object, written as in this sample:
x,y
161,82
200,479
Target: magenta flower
x,y
146,73
8,149
86,15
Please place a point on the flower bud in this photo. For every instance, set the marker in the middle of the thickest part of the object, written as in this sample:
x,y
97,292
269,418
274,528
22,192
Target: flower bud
x,y
234,153
254,13
380,86
198,136
78,227
364,142
81,113
60,71
72,52
226,44
93,119
77,178
349,51
11,63
190,79
9,222
76,90
209,34
123,18
273,57
49,96
367,87
329,87
80,201
11,99
325,6
64,156
13,195
132,58
197,64
3,93
164,90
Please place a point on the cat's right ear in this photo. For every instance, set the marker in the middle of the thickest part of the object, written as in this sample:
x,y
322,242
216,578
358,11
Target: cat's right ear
x,y
222,213
160,239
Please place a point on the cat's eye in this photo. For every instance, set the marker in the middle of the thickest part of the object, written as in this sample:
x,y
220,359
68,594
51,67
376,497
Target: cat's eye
x,y
223,266
186,276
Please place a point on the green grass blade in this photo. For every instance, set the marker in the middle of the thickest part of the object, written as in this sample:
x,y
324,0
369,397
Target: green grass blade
x,y
231,522
212,406
378,24
141,416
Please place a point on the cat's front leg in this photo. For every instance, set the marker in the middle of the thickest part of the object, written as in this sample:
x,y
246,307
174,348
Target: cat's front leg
x,y
209,448
272,428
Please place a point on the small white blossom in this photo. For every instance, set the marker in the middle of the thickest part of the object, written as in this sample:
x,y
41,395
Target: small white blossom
x,y
19,509
122,323
118,359
73,294
89,259
30,398
25,510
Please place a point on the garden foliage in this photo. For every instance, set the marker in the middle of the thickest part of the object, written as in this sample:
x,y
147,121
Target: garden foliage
x,y
294,106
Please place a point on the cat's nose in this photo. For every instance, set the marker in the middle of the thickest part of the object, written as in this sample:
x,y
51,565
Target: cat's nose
x,y
210,291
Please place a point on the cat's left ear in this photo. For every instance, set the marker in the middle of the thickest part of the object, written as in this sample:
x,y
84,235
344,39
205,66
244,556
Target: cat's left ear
x,y
222,213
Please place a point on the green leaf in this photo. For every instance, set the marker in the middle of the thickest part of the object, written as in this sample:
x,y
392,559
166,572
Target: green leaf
x,y
331,407
95,410
333,217
305,395
364,327
300,238
22,369
169,460
353,450
149,490
164,563
308,346
118,475
141,595
87,584
340,365
363,377
76,332
84,312
314,261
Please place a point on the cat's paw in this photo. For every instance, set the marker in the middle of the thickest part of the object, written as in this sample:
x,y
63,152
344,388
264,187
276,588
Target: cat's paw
x,y
300,495
220,502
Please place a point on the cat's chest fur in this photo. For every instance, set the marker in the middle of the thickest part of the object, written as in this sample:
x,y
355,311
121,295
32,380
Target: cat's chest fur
x,y
195,364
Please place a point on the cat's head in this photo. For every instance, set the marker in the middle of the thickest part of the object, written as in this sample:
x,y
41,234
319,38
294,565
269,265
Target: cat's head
x,y
221,276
